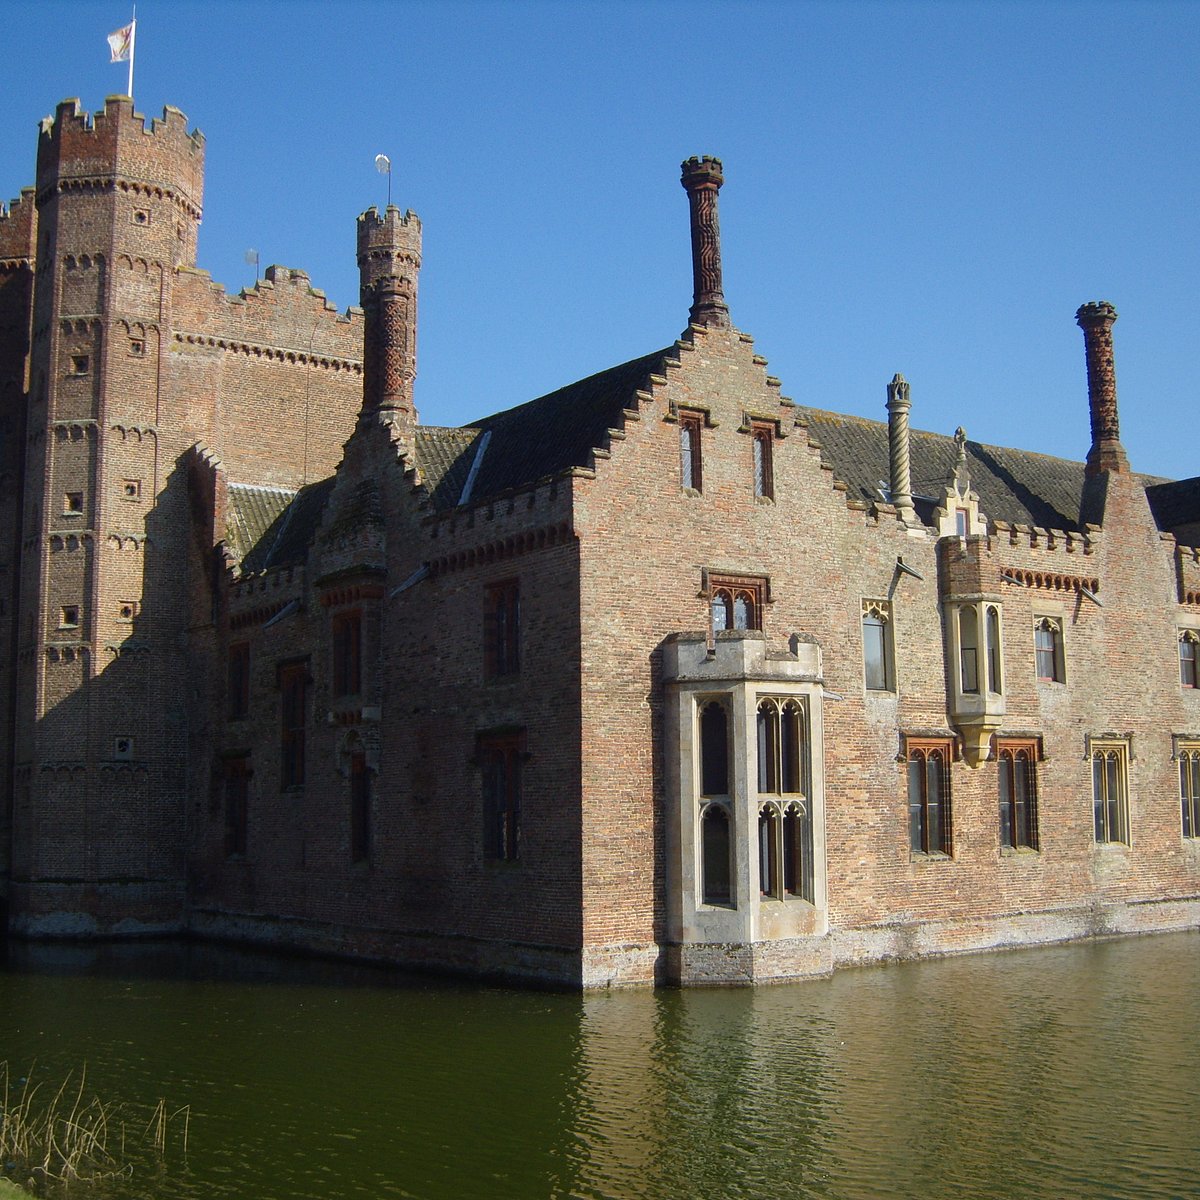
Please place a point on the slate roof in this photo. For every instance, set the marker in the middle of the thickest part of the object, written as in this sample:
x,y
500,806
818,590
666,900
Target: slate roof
x,y
273,527
270,527
1176,506
1017,486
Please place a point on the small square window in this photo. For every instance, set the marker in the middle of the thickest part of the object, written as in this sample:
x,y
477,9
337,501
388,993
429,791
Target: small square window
x,y
131,489
81,364
127,609
72,503
137,347
123,747
70,617
141,216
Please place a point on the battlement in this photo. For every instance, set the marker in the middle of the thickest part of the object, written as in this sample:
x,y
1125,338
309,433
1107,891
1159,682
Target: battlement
x,y
117,143
18,228
394,233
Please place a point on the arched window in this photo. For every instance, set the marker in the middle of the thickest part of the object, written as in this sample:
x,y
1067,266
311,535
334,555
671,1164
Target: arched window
x,y
968,649
993,649
714,749
1189,658
929,826
1048,647
736,602
1189,789
784,824
1110,801
877,648
716,848
1017,777
722,610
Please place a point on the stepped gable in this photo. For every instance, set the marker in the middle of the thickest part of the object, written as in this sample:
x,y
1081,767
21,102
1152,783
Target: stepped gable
x,y
1176,508
273,527
1014,486
555,432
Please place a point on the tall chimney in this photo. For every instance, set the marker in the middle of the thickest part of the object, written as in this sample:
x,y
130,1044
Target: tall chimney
x,y
389,260
1106,454
898,407
702,180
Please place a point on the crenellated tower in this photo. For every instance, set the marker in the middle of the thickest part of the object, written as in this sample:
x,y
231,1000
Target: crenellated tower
x,y
101,732
389,261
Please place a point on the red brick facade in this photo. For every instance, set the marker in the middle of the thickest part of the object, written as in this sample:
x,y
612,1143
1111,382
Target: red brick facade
x,y
291,667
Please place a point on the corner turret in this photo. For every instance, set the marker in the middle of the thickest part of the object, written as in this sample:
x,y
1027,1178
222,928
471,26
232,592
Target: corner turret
x,y
389,261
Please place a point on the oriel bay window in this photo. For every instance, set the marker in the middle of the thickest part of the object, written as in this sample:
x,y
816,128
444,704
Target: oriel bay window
x,y
785,841
1110,790
716,821
929,815
1016,762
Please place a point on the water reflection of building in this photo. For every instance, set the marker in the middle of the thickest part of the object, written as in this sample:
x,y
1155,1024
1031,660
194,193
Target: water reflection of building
x,y
660,676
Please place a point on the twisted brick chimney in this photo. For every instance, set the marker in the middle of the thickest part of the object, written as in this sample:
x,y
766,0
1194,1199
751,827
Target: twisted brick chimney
x,y
702,180
389,260
1106,454
898,407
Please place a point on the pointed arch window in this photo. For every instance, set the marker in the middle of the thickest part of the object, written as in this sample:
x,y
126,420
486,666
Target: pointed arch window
x,y
736,602
1016,763
930,828
785,833
716,819
1189,658
1110,791
878,656
1189,787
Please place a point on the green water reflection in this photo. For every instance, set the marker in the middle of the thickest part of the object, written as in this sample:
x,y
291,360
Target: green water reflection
x,y
1071,1072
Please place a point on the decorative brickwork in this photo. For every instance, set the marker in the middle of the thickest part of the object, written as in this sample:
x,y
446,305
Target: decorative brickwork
x,y
639,681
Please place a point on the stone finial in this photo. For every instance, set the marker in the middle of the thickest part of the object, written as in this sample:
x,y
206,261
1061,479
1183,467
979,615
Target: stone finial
x,y
1096,319
702,179
962,477
898,406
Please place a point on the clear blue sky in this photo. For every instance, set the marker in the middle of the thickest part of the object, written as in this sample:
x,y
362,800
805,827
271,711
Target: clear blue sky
x,y
931,188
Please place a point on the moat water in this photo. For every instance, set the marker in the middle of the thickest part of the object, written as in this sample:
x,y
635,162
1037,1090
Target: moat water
x,y
1069,1073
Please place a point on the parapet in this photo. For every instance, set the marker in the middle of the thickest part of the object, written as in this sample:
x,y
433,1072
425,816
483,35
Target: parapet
x,y
386,238
18,229
81,147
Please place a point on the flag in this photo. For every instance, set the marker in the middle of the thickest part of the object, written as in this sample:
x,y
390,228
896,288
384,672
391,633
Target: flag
x,y
121,43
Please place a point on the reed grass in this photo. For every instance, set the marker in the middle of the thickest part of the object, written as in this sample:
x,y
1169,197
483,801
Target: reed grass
x,y
50,1140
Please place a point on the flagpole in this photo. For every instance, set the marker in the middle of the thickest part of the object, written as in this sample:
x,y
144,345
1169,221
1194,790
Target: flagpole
x,y
132,43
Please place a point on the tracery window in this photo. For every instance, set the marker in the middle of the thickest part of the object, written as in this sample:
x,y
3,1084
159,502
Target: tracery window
x,y
930,827
1048,648
785,836
1110,791
716,819
1189,787
1189,658
737,602
878,663
1016,763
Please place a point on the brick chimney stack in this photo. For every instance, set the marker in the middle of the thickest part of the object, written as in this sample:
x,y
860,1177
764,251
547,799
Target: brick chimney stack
x,y
702,180
389,260
1106,454
898,407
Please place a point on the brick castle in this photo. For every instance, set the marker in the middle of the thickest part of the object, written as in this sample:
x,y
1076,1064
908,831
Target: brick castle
x,y
661,677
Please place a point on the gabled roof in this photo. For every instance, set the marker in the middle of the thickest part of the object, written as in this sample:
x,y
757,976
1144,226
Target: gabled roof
x,y
1176,507
533,441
